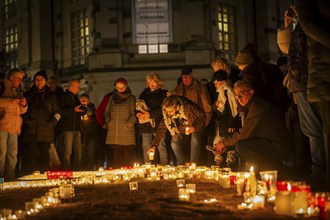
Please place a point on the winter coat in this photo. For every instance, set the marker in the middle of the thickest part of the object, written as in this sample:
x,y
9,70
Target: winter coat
x,y
295,45
195,116
120,118
70,120
41,118
262,121
154,102
314,18
89,123
12,121
197,93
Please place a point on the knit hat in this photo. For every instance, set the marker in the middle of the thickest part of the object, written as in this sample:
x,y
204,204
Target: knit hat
x,y
121,80
220,75
244,57
186,70
41,73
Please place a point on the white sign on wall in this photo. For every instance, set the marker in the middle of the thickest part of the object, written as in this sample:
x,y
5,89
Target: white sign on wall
x,y
151,21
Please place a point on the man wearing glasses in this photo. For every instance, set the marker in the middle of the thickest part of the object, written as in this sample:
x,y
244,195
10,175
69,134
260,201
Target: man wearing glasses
x,y
263,140
13,104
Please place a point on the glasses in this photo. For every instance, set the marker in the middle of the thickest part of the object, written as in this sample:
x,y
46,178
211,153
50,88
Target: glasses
x,y
242,93
18,78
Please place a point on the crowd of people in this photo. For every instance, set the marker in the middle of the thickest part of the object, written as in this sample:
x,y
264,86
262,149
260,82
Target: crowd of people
x,y
243,116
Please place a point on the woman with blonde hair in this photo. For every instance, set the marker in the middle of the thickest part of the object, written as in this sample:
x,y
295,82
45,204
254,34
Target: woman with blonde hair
x,y
149,114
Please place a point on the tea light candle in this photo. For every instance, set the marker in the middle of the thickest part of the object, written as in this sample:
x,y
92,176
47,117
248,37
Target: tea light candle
x,y
191,187
184,194
232,179
224,181
212,200
187,131
66,191
180,182
133,186
258,202
151,155
300,202
284,202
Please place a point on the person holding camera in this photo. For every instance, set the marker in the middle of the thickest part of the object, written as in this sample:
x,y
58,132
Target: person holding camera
x,y
292,41
10,125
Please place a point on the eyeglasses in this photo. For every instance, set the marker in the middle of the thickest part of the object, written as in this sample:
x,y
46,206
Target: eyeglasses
x,y
18,78
240,95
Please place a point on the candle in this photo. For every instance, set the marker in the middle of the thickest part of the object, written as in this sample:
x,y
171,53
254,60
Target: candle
x,y
321,202
191,187
184,194
224,181
133,185
232,179
180,182
151,155
284,202
66,191
258,202
253,182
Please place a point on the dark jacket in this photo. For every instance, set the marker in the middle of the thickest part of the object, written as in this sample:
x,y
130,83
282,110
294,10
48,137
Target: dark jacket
x,y
314,18
154,102
262,121
39,121
89,123
195,116
71,120
295,43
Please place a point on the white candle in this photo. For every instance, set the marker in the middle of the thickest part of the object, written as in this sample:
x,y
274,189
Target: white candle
x,y
258,202
253,181
184,194
284,202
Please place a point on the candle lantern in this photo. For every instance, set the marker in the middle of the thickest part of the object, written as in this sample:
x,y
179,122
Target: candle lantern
x,y
284,202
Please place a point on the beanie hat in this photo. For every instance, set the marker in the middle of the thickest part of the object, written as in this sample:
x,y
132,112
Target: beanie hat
x,y
186,70
244,57
220,75
121,80
41,73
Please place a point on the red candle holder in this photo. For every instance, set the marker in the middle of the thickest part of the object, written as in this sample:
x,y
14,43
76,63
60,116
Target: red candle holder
x,y
232,179
59,174
280,185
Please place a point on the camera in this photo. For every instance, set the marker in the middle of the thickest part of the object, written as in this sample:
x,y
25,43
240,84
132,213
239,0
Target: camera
x,y
291,12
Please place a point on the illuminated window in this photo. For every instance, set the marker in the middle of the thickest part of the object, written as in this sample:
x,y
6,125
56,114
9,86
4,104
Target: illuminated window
x,y
227,31
79,37
152,29
9,9
11,45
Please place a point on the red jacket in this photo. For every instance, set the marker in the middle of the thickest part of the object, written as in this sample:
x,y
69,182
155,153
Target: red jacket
x,y
100,109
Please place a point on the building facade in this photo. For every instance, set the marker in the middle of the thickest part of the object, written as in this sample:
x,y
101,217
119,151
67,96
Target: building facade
x,y
101,40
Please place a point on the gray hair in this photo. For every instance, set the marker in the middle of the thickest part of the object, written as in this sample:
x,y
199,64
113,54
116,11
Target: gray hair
x,y
15,72
245,83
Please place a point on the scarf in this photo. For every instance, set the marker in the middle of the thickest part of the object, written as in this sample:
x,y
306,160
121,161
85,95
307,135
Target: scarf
x,y
119,97
141,105
170,122
223,99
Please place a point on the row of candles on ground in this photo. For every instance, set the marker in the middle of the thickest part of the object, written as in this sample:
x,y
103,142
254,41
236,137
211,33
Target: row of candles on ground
x,y
50,199
146,171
